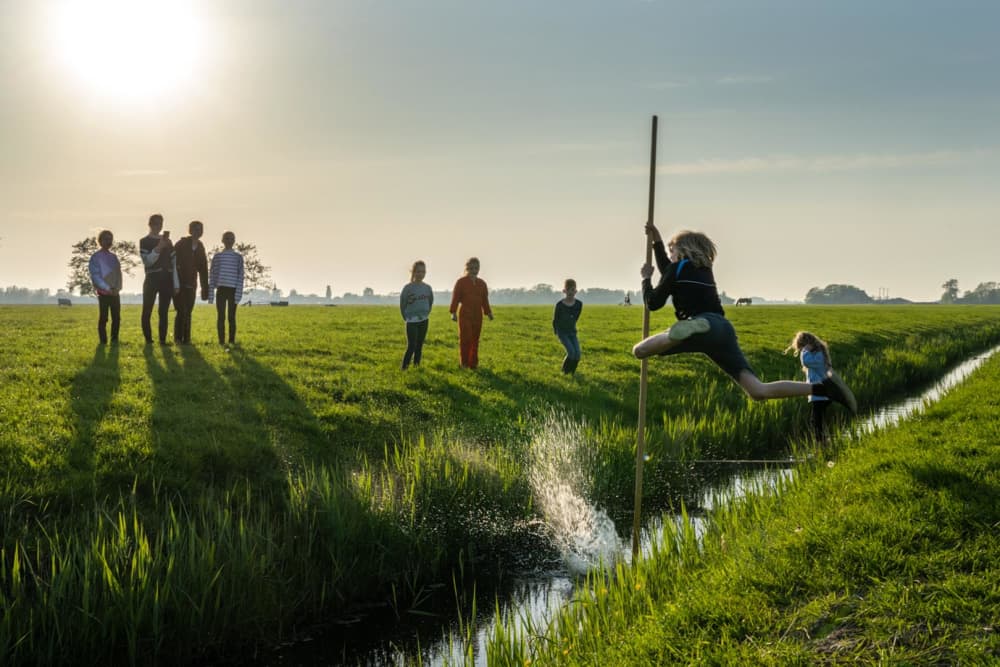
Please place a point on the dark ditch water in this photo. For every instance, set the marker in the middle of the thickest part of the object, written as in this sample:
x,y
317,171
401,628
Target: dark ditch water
x,y
585,537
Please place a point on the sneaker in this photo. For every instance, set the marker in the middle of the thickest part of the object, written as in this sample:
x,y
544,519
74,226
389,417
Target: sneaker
x,y
837,390
684,329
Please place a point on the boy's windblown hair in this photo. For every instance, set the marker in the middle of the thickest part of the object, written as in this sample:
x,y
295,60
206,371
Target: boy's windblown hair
x,y
695,247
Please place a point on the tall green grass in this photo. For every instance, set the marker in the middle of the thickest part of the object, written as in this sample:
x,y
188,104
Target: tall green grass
x,y
169,503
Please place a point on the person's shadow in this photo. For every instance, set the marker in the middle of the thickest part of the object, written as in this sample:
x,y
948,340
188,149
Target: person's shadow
x,y
283,426
92,390
211,426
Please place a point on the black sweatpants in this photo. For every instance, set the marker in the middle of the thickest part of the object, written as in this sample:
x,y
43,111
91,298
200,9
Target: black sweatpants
x,y
108,304
184,307
416,333
225,309
157,284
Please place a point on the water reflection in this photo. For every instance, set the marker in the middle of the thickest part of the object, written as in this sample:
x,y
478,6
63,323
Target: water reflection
x,y
893,414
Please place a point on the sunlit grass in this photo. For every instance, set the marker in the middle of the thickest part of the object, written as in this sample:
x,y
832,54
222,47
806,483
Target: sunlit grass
x,y
146,487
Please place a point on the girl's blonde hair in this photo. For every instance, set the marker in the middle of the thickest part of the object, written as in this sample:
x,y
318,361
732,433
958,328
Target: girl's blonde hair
x,y
695,247
806,339
419,264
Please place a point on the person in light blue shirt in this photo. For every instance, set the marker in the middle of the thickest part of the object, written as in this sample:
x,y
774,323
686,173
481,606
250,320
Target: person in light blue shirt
x,y
814,354
415,302
106,275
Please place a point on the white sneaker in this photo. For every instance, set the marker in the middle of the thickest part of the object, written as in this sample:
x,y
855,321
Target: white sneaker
x,y
686,328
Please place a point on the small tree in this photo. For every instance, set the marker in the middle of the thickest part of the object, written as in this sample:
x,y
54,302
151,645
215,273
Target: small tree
x,y
79,262
950,288
255,272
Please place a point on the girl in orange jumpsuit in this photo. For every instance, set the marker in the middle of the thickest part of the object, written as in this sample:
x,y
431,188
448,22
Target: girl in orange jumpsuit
x,y
470,300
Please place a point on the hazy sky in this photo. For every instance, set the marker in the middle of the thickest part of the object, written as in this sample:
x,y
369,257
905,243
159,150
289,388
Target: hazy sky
x,y
849,141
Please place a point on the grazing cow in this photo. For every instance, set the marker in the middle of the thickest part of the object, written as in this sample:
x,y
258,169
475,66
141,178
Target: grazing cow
x,y
64,302
744,301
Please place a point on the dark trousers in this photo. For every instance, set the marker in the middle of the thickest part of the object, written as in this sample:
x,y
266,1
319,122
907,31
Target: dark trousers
x,y
108,304
572,345
225,308
184,306
161,284
818,409
416,333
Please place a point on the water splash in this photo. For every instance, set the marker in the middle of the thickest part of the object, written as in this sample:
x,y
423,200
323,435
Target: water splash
x,y
558,463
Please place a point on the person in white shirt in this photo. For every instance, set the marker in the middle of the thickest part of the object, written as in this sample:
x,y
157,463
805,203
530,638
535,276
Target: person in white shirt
x,y
106,274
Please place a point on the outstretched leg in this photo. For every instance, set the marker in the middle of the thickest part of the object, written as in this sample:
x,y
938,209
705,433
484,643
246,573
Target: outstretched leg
x,y
655,344
663,342
762,391
832,387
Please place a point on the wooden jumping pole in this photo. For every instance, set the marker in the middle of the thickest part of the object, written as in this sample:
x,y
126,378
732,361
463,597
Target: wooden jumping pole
x,y
640,431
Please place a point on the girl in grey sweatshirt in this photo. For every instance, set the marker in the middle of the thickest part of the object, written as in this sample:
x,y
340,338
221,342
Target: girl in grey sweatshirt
x,y
415,303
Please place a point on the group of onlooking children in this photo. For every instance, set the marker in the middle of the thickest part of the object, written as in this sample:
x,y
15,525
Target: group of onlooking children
x,y
173,273
685,266
470,301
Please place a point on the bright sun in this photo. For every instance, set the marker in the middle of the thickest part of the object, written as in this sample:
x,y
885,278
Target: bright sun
x,y
130,50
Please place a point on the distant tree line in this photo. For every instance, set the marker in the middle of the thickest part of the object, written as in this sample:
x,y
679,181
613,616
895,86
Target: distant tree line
x,y
837,294
985,293
538,295
988,292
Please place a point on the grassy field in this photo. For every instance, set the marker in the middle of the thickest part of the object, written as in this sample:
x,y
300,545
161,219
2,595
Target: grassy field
x,y
889,553
146,486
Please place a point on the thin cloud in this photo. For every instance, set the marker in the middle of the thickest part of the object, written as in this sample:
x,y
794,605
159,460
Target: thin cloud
x,y
822,163
664,85
580,147
744,80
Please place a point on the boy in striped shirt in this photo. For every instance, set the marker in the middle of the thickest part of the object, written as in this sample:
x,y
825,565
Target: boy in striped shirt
x,y
225,286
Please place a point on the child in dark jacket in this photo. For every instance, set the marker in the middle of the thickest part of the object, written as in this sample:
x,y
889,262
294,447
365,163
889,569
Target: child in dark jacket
x,y
190,272
564,317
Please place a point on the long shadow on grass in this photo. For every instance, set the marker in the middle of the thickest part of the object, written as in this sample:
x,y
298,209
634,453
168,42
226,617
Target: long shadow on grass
x,y
242,419
292,430
93,388
198,432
